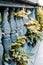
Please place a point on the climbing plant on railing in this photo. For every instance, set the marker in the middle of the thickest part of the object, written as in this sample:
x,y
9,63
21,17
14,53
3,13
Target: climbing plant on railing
x,y
33,31
40,17
32,36
22,13
20,57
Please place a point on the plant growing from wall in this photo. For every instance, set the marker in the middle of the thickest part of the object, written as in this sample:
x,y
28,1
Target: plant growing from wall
x,y
20,57
33,31
40,17
22,13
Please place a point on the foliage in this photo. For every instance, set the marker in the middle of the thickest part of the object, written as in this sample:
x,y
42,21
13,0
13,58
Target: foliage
x,y
33,31
40,17
19,56
22,13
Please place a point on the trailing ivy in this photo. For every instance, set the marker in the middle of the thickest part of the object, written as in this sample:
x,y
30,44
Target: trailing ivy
x,y
17,55
33,33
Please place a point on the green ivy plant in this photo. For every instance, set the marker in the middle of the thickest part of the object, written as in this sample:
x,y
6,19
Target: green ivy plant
x,y
19,56
40,17
33,33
